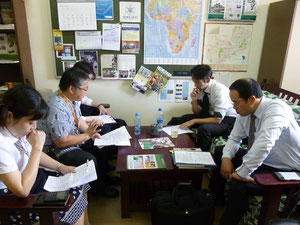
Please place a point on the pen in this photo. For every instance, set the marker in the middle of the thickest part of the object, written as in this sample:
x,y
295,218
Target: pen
x,y
87,166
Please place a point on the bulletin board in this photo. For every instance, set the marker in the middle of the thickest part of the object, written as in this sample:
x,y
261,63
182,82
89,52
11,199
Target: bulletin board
x,y
69,38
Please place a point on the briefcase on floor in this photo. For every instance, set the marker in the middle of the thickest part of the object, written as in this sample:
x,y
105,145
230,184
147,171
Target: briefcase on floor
x,y
184,205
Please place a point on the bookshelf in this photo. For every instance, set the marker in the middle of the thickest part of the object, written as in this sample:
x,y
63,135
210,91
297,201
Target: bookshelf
x,y
17,68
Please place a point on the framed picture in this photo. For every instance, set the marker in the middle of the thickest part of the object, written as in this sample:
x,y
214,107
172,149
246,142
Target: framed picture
x,y
68,64
68,51
90,57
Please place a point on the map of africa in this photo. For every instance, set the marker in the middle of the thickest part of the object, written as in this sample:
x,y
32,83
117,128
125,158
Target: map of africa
x,y
172,31
226,46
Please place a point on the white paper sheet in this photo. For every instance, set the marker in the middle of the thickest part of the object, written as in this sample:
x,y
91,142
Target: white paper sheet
x,y
87,40
180,131
118,137
193,158
77,15
106,119
85,173
111,36
130,12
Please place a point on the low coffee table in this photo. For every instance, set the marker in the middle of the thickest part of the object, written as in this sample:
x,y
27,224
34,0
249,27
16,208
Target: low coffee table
x,y
171,172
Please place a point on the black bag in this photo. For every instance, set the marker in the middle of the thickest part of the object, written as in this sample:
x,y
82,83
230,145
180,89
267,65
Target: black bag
x,y
183,206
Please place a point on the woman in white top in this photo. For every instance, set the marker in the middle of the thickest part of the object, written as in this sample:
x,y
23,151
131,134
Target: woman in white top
x,y
21,152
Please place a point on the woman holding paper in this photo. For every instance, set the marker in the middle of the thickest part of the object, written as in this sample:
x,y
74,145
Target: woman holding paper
x,y
21,152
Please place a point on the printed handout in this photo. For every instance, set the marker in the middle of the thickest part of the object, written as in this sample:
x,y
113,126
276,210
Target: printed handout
x,y
180,131
106,119
111,36
85,173
118,137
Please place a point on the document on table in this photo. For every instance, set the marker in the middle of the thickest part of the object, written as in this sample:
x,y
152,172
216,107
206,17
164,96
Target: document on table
x,y
106,119
85,173
180,131
118,137
193,158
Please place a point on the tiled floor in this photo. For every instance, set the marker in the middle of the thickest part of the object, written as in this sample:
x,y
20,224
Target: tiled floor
x,y
106,211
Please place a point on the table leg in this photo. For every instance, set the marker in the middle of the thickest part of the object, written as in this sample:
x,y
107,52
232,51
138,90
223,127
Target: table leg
x,y
269,205
125,199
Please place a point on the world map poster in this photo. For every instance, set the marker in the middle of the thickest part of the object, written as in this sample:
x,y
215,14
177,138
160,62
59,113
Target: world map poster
x,y
172,32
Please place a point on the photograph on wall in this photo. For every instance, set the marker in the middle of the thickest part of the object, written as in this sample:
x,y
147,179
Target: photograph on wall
x,y
68,51
90,57
109,66
67,64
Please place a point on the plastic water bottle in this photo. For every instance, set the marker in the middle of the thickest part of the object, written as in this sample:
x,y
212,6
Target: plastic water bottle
x,y
137,124
160,119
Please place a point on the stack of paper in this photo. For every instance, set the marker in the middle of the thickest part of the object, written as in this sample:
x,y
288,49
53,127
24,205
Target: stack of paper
x,y
193,159
118,137
180,131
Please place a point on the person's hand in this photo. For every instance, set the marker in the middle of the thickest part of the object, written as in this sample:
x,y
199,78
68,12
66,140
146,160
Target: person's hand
x,y
37,139
66,169
187,124
103,110
195,94
227,168
237,177
97,135
92,129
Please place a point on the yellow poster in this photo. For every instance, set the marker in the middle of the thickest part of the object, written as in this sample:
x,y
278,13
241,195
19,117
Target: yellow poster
x,y
58,39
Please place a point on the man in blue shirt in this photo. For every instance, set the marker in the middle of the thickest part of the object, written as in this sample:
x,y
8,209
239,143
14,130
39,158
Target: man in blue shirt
x,y
273,145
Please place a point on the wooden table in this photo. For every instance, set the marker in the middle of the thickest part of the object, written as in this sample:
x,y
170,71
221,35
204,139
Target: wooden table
x,y
171,172
273,189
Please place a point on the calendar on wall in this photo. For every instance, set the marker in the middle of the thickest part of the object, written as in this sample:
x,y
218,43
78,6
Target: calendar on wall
x,y
77,15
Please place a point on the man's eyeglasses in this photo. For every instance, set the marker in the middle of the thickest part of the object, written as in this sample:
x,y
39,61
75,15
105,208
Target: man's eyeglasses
x,y
83,89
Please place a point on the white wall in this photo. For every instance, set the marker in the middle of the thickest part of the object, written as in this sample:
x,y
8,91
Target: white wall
x,y
291,70
124,101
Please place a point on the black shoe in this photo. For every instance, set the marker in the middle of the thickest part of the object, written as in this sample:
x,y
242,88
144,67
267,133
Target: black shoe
x,y
112,180
110,192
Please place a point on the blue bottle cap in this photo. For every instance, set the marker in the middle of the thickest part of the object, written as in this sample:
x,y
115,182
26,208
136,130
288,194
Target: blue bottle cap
x,y
137,114
159,109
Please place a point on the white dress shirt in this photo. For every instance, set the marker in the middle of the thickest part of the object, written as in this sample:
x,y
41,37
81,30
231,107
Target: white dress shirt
x,y
220,104
277,138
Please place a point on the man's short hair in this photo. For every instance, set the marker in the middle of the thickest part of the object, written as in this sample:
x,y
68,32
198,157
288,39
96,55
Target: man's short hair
x,y
201,72
86,67
246,88
73,76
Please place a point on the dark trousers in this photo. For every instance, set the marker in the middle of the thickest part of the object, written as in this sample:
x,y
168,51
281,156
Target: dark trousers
x,y
239,191
206,132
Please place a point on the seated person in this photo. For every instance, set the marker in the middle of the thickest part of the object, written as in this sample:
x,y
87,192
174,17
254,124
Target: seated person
x,y
68,135
273,145
90,107
21,153
213,112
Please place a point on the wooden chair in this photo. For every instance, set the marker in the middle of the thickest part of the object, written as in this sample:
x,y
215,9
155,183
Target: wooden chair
x,y
273,189
48,214
282,93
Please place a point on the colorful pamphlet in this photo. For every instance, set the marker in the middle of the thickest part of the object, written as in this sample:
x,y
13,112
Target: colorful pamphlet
x,y
153,161
58,39
151,143
140,80
158,79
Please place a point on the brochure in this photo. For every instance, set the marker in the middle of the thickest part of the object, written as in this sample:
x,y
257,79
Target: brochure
x,y
140,80
151,143
152,161
158,79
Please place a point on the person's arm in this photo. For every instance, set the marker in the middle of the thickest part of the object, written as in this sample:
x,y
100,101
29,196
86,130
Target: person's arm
x,y
211,120
272,124
48,162
195,94
102,109
19,183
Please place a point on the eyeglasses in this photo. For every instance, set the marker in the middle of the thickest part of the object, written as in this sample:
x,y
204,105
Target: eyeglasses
x,y
83,89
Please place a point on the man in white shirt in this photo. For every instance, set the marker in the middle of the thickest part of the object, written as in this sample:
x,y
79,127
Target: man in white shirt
x,y
275,146
213,111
